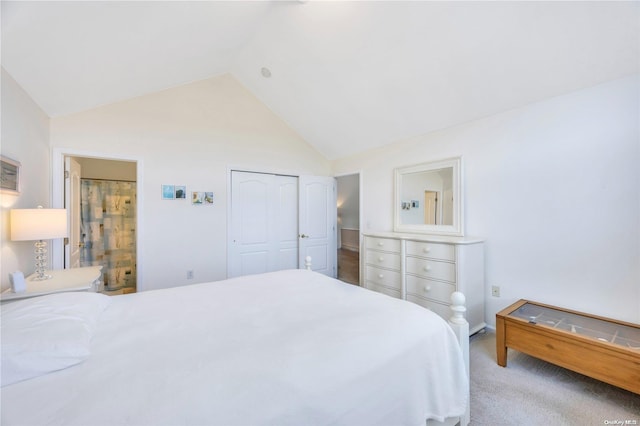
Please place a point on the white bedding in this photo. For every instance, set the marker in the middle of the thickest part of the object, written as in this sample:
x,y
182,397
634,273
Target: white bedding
x,y
285,348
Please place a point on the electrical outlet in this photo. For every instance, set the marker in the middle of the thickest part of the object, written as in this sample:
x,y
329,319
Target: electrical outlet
x,y
495,291
190,275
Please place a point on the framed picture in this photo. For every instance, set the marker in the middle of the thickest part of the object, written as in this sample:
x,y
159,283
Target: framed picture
x,y
201,198
197,198
9,175
168,192
181,192
208,197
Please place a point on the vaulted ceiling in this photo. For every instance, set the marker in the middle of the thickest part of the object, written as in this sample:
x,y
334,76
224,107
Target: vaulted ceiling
x,y
347,76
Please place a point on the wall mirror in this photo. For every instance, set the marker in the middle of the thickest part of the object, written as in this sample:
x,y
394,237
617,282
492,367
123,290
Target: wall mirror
x,y
428,198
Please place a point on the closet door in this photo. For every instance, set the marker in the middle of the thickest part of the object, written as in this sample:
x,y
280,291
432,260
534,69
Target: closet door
x,y
263,223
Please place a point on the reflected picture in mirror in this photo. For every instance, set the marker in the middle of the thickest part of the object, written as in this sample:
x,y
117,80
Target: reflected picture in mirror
x,y
429,198
435,189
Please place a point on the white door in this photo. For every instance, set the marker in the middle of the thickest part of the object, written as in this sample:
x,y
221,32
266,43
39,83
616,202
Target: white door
x,y
431,208
263,223
317,223
72,204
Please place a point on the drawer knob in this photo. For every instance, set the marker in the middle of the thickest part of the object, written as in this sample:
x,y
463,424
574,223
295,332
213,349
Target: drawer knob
x,y
380,276
427,268
426,249
381,259
427,288
380,243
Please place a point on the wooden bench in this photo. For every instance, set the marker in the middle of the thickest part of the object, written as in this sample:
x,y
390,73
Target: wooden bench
x,y
598,347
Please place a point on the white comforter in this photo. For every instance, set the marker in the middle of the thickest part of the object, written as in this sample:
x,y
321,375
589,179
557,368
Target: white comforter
x,y
285,348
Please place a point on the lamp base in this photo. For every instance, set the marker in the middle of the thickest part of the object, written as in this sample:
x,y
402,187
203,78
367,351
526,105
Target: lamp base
x,y
41,262
42,277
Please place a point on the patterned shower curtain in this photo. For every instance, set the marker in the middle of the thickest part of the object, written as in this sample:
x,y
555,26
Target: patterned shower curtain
x,y
108,231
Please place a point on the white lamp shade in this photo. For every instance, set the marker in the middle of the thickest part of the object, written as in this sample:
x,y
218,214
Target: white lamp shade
x,y
38,224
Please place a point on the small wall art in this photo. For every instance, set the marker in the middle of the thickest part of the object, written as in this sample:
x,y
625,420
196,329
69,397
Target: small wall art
x,y
9,176
181,192
201,198
174,192
168,192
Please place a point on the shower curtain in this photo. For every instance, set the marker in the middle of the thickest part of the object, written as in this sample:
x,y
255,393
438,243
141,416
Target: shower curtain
x,y
108,231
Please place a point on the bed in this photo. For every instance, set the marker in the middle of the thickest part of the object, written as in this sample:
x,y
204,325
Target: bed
x,y
291,347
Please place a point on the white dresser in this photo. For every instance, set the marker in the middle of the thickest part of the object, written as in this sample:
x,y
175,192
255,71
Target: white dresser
x,y
426,269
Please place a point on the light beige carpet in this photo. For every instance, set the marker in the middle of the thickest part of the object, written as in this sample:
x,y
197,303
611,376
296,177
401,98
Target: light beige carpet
x,y
533,392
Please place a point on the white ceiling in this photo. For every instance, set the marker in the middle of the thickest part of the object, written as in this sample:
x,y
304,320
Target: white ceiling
x,y
347,76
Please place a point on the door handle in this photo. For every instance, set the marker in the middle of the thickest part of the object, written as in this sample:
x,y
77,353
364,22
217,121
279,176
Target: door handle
x,y
303,236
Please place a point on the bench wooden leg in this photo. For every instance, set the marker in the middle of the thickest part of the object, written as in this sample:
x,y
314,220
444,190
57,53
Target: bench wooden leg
x,y
501,348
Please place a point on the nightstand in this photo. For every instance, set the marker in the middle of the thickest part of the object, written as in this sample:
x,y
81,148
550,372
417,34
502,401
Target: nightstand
x,y
74,279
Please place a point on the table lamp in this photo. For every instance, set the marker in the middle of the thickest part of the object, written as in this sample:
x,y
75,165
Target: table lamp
x,y
39,225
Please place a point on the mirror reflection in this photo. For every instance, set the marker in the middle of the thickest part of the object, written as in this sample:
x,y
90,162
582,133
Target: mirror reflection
x,y
427,198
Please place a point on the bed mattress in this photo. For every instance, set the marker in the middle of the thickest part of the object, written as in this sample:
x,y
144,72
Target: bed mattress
x,y
285,348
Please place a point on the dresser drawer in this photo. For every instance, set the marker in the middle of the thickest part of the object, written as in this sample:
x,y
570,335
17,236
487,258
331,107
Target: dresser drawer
x,y
384,290
443,311
431,269
432,250
383,260
384,277
435,290
386,244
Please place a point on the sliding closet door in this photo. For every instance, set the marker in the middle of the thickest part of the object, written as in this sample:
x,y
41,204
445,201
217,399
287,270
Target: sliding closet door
x,y
263,223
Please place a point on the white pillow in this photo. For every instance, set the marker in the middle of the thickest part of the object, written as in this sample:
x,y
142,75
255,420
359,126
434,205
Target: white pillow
x,y
47,333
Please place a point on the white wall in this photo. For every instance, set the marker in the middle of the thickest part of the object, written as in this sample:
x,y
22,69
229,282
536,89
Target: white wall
x,y
554,187
189,135
25,138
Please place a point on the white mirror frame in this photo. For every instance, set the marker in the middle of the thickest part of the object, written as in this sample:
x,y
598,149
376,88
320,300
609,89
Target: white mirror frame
x,y
457,229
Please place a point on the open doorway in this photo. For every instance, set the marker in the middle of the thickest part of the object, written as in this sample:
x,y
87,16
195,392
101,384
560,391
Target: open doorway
x,y
101,199
348,203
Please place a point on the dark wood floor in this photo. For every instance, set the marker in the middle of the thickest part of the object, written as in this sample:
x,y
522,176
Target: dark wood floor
x,y
349,266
